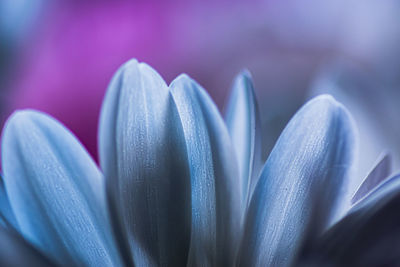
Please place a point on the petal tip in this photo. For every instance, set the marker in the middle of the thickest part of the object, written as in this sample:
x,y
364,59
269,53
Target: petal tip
x,y
325,98
245,73
185,82
243,83
19,117
133,62
328,102
146,68
182,78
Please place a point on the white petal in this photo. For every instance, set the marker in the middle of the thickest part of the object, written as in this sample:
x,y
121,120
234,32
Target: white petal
x,y
368,236
216,190
243,123
143,155
7,217
378,174
312,156
56,191
15,251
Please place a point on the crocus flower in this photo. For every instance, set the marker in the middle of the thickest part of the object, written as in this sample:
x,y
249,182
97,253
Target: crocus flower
x,y
178,186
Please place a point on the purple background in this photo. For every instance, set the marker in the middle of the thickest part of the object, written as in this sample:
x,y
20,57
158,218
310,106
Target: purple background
x,y
58,56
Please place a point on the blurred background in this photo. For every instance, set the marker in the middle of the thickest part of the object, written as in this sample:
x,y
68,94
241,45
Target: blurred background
x,y
58,56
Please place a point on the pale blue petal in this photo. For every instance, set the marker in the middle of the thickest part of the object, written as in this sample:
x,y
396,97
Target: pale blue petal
x,y
16,252
312,156
243,123
7,217
143,155
216,191
368,236
56,191
381,171
340,82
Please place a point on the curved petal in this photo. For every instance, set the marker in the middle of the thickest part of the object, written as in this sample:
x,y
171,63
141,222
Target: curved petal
x,y
378,174
7,217
357,92
243,123
313,154
16,252
56,191
143,155
368,236
216,191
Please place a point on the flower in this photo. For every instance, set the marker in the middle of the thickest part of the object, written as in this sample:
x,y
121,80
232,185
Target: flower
x,y
178,186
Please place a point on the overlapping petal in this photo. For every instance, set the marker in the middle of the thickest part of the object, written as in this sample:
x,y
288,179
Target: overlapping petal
x,y
243,123
143,155
7,217
217,203
381,171
368,236
312,156
56,191
16,252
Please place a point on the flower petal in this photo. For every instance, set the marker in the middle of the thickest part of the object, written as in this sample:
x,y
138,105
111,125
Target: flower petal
x,y
15,251
243,123
313,154
378,174
7,217
216,191
143,155
56,191
355,92
368,236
